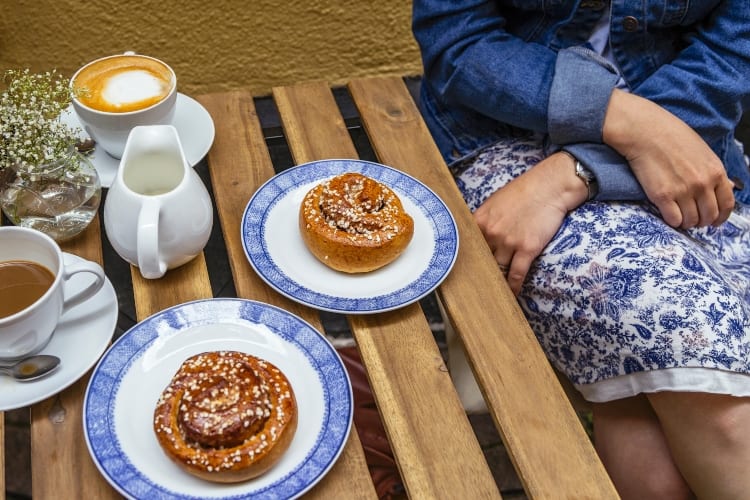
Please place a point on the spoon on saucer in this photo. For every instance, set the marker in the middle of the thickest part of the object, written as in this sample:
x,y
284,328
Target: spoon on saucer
x,y
31,368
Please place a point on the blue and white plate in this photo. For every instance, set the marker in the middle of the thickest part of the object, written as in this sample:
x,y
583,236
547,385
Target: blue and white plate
x,y
275,249
128,380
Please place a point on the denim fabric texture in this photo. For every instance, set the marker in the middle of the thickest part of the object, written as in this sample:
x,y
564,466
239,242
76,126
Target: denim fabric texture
x,y
492,67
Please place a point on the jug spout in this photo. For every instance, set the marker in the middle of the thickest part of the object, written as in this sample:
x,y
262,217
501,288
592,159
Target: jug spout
x,y
146,138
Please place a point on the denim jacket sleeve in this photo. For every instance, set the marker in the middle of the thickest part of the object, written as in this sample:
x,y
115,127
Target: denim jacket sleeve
x,y
615,180
708,84
577,123
469,59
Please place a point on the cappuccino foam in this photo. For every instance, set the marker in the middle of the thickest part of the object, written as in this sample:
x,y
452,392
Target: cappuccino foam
x,y
123,83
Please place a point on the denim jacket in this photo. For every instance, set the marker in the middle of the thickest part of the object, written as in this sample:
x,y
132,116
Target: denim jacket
x,y
492,67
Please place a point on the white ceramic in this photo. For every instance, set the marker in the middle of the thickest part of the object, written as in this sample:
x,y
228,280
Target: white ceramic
x,y
158,213
109,129
30,329
193,123
81,336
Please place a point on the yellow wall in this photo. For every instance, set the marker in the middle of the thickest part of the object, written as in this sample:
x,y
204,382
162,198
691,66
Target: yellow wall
x,y
216,45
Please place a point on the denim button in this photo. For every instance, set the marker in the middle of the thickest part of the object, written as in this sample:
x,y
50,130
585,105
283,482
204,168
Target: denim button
x,y
738,184
630,23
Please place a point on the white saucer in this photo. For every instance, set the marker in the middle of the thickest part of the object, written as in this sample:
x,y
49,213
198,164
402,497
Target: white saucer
x,y
192,121
82,335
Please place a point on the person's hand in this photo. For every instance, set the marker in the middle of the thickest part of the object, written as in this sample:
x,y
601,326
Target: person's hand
x,y
679,173
521,218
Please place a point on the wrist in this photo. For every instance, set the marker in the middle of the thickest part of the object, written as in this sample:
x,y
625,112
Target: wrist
x,y
573,190
615,123
627,115
585,178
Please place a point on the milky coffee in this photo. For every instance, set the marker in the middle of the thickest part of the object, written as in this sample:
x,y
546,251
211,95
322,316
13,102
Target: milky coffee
x,y
123,83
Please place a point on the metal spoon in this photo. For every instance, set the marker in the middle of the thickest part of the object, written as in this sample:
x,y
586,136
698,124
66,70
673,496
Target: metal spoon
x,y
31,368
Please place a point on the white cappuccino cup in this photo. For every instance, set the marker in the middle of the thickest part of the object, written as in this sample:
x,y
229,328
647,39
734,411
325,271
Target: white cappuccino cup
x,y
116,93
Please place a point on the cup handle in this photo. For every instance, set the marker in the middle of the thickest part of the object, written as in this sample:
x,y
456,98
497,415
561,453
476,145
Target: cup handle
x,y
147,242
82,295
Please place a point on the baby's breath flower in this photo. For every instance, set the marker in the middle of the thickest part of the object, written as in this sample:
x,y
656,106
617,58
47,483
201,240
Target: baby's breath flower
x,y
31,133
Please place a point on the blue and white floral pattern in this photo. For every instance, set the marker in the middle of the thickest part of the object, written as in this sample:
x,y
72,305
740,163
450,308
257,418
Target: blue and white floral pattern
x,y
621,302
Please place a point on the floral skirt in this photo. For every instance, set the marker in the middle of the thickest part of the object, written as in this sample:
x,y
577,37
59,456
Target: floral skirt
x,y
624,304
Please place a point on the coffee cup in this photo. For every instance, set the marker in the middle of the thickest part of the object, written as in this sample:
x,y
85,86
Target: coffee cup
x,y
32,292
113,94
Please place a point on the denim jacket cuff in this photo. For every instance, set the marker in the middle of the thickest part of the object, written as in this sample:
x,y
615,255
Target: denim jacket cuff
x,y
580,92
615,180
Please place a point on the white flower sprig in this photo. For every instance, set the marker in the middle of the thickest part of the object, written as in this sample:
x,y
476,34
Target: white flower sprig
x,y
31,133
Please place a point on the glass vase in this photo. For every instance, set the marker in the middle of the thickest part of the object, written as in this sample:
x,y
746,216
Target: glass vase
x,y
55,198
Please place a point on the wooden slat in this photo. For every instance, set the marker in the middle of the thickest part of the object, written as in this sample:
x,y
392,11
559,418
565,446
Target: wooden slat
x,y
544,437
239,163
60,462
434,444
182,284
313,125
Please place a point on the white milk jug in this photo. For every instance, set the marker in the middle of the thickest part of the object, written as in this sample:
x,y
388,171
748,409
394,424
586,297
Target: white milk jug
x,y
157,213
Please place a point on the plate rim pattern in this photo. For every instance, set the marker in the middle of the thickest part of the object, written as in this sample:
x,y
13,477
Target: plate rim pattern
x,y
254,242
101,396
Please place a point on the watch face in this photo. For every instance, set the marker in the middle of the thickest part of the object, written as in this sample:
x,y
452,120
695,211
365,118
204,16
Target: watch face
x,y
584,173
588,178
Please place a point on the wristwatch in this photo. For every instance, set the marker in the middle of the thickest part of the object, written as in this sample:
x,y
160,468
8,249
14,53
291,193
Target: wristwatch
x,y
586,175
588,178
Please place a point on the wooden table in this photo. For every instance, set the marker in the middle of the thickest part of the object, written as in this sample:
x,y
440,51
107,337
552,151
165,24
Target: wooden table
x,y
436,450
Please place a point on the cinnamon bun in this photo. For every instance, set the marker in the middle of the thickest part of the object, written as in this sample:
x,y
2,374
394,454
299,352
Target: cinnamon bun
x,y
354,224
226,416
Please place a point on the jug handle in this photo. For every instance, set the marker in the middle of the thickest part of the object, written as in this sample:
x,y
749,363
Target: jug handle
x,y
148,240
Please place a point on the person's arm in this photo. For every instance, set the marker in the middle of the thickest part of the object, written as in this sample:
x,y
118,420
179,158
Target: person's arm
x,y
705,89
470,60
701,93
474,66
708,84
519,220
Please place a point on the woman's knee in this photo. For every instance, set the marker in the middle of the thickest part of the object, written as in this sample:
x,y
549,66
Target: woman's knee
x,y
633,448
726,419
